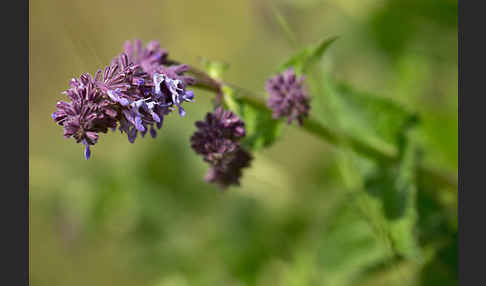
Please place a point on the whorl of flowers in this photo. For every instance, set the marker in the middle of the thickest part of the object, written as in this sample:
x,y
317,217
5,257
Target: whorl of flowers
x,y
134,92
217,141
288,96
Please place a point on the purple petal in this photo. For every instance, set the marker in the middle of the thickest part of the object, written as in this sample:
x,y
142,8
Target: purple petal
x,y
123,101
155,117
87,152
189,95
153,133
138,124
182,112
159,124
132,134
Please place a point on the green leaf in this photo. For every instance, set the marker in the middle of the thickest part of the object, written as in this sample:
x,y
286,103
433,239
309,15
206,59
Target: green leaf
x,y
403,229
303,60
381,116
374,120
388,196
215,69
261,129
395,188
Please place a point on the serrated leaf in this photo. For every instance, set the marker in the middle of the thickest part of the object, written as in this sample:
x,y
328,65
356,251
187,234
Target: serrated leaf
x,y
363,235
303,60
395,188
262,130
375,120
389,200
382,116
402,230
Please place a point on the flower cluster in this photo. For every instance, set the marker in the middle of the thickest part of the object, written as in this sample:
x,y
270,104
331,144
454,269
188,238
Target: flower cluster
x,y
133,93
288,97
217,141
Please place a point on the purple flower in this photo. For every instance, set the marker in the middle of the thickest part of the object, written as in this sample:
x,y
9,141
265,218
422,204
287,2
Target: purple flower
x,y
217,134
217,141
88,113
288,97
170,83
134,92
155,90
149,101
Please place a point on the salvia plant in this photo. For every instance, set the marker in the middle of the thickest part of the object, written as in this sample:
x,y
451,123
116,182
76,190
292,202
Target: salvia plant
x,y
143,84
405,202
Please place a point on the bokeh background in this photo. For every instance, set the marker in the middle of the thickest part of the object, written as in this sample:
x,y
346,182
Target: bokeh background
x,y
141,214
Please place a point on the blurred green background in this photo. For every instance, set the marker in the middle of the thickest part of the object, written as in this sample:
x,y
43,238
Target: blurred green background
x,y
141,214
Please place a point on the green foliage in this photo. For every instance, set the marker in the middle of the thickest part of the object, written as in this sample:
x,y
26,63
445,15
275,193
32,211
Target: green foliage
x,y
261,129
399,24
375,121
362,115
388,194
385,194
396,190
370,114
348,245
142,214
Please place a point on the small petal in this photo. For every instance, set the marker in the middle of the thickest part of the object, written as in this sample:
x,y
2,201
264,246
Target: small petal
x,y
153,133
159,124
189,95
132,135
155,117
87,152
124,101
182,112
138,124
